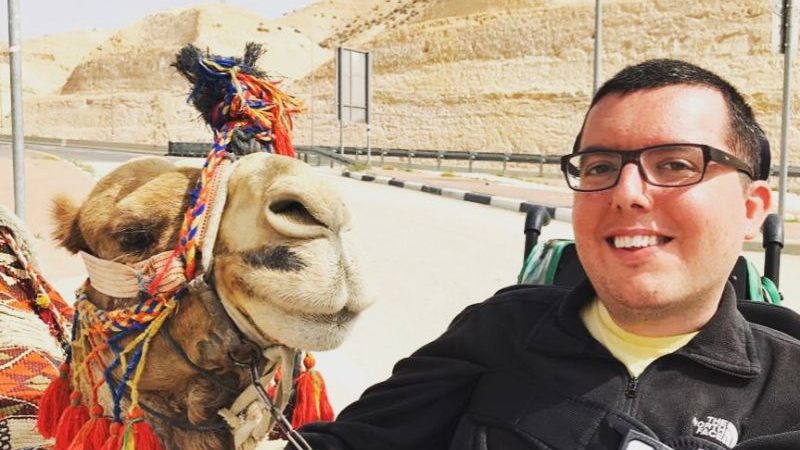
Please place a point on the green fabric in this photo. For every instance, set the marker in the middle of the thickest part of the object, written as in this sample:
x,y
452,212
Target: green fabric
x,y
754,283
771,291
542,263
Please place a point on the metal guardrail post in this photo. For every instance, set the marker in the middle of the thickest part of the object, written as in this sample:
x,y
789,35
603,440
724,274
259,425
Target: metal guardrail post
x,y
410,155
471,158
506,157
439,156
383,154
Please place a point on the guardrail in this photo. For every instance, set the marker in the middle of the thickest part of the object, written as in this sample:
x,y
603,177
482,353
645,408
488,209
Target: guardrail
x,y
98,145
328,153
198,149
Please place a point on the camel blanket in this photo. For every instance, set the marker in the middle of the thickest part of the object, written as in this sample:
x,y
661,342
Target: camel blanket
x,y
29,354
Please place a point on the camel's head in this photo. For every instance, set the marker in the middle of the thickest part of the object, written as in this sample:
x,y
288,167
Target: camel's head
x,y
282,256
281,260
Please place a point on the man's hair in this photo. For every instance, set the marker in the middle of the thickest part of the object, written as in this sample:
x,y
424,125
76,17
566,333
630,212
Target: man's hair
x,y
746,138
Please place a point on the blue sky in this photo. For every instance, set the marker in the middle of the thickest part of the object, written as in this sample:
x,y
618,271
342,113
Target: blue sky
x,y
40,17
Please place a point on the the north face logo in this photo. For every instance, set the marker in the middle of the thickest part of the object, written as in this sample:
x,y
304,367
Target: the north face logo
x,y
717,429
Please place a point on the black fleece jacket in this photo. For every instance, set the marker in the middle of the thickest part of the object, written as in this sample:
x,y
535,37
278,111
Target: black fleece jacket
x,y
520,371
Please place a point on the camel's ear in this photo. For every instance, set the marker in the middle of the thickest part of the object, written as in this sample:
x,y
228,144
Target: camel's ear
x,y
66,231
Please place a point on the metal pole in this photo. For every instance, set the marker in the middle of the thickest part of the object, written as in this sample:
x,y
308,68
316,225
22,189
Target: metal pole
x,y
368,102
339,100
369,149
598,44
18,146
111,118
311,101
787,104
341,138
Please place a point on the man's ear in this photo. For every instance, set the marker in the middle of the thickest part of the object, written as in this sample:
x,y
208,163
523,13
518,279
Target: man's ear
x,y
66,231
758,201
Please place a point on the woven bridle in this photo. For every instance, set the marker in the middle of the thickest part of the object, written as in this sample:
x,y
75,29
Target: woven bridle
x,y
251,105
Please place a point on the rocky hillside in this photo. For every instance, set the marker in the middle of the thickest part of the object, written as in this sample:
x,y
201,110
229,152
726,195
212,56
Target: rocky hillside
x,y
516,75
125,90
492,75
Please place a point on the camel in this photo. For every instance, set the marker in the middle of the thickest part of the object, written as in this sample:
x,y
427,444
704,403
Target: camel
x,y
275,273
30,310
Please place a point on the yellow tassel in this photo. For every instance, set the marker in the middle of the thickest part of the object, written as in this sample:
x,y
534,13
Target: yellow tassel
x,y
43,300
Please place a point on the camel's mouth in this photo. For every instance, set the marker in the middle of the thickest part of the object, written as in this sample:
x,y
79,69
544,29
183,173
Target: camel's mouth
x,y
314,313
341,318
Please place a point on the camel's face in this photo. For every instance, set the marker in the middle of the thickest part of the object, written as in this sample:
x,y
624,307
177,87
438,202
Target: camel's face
x,y
281,257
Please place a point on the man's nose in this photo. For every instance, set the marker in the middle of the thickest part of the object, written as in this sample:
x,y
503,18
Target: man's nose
x,y
631,192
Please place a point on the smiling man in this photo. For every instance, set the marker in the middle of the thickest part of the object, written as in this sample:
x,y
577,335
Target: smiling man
x,y
650,352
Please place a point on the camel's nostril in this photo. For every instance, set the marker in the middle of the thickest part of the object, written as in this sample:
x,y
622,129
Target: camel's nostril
x,y
295,212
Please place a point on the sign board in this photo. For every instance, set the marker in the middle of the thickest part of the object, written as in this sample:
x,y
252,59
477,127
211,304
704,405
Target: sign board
x,y
353,79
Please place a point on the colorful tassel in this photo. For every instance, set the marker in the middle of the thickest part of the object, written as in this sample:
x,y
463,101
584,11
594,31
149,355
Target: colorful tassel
x,y
272,390
311,397
281,140
71,422
138,434
53,402
94,433
113,441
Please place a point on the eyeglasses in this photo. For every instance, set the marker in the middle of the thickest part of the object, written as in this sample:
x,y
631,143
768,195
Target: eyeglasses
x,y
667,165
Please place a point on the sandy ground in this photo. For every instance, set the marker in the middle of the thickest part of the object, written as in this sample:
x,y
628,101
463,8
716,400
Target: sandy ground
x,y
46,177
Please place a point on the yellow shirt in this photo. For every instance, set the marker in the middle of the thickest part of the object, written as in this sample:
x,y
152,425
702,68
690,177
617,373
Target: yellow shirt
x,y
634,351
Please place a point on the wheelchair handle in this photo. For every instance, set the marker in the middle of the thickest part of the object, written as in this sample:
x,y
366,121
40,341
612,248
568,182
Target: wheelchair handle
x,y
772,243
536,218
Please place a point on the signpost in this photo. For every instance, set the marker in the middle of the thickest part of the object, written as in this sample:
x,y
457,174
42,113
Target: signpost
x,y
353,69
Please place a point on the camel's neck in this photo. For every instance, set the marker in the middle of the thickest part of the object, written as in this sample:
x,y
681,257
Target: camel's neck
x,y
189,375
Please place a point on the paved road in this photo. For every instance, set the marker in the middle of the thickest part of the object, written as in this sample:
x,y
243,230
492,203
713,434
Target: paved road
x,y
76,153
424,258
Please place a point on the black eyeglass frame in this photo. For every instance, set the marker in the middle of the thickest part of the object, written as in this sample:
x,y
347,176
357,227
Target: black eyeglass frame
x,y
633,156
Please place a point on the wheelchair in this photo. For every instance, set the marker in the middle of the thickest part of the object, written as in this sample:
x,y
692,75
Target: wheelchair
x,y
555,262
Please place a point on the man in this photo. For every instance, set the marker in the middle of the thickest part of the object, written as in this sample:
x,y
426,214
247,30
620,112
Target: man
x,y
650,352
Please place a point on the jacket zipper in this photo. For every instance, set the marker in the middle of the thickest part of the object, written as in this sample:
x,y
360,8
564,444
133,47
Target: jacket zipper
x,y
630,394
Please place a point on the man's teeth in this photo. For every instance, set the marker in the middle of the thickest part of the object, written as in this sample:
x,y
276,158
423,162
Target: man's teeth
x,y
635,241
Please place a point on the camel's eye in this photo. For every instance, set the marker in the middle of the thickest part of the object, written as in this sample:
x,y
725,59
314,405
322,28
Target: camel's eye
x,y
134,241
137,237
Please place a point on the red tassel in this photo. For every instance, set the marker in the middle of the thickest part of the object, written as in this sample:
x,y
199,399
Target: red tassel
x,y
53,402
94,433
272,390
281,141
113,441
311,401
138,434
71,422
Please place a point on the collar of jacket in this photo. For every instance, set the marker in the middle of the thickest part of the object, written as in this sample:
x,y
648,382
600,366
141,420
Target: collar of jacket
x,y
725,344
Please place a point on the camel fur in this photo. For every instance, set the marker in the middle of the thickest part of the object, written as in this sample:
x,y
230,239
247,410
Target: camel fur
x,y
281,258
